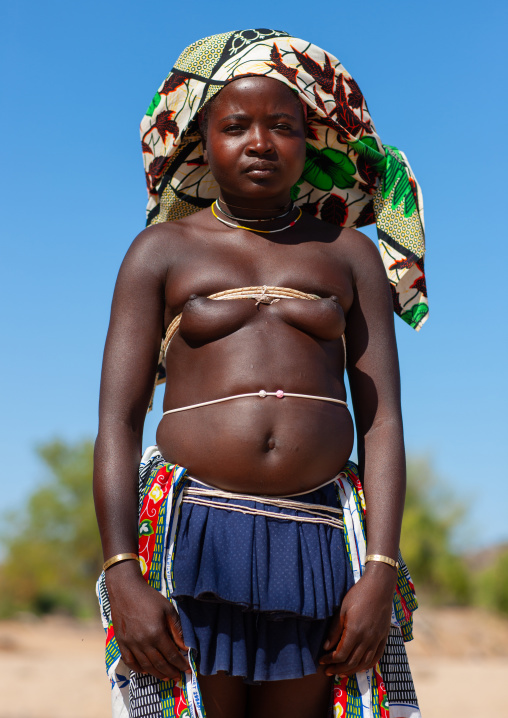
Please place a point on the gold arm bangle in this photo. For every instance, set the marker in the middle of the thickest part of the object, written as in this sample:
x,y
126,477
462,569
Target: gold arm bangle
x,y
382,559
120,557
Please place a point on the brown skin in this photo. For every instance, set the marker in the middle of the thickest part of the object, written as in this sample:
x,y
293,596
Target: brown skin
x,y
256,151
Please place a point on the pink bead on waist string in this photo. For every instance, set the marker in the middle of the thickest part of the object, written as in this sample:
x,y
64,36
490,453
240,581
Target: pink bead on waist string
x,y
263,393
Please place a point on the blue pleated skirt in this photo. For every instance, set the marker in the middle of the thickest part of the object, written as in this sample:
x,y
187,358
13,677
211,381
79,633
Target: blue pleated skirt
x,y
256,594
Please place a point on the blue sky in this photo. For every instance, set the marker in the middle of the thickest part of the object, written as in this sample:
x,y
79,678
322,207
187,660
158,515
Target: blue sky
x,y
78,79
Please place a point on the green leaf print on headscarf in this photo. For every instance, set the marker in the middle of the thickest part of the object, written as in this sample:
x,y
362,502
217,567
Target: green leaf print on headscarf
x,y
396,178
326,168
368,149
153,104
415,315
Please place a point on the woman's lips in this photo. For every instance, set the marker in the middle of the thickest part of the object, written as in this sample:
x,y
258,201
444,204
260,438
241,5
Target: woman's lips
x,y
260,169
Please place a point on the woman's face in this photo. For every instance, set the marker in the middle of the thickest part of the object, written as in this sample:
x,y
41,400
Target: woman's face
x,y
255,141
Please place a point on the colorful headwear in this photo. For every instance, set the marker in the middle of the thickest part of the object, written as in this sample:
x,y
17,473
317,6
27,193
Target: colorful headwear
x,y
350,178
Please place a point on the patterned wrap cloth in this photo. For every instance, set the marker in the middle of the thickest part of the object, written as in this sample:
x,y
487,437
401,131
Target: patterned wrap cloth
x,y
386,691
350,178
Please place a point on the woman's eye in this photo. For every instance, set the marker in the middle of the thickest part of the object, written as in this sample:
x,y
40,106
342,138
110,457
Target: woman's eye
x,y
232,128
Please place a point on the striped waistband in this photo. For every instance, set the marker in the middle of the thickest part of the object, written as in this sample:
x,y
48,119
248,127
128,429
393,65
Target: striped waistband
x,y
313,513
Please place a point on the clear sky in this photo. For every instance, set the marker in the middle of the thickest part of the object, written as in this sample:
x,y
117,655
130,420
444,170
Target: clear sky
x,y
76,80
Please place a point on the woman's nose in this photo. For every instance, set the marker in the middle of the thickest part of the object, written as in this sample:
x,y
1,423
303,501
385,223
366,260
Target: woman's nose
x,y
260,142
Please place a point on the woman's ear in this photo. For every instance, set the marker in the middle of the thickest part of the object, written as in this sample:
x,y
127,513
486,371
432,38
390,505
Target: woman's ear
x,y
202,125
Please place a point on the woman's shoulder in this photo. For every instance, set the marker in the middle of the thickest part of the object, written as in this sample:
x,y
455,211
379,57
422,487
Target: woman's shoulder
x,y
158,244
354,246
167,232
358,245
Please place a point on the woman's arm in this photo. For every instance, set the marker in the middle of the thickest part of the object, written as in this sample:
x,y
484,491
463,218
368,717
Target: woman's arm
x,y
359,631
146,626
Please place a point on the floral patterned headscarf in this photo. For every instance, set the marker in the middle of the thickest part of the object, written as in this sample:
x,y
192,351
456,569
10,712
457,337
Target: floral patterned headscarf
x,y
350,178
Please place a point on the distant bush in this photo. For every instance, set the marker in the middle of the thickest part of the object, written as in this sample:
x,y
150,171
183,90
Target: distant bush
x,y
52,548
430,519
491,584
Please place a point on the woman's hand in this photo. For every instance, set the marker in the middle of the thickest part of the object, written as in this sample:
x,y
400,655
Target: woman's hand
x,y
147,627
359,630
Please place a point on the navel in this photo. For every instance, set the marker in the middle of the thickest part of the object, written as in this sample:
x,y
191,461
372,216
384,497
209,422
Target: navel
x,y
270,444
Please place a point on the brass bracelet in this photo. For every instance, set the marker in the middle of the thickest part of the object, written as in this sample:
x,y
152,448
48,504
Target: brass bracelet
x,y
120,557
382,559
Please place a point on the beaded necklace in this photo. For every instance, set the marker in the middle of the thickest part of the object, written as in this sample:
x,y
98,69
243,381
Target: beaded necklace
x,y
250,229
251,219
237,206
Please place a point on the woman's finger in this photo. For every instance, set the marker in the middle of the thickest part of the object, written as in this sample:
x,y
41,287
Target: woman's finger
x,y
173,656
160,657
368,660
348,641
378,654
348,667
175,628
165,665
144,664
335,632
358,661
371,657
129,660
156,664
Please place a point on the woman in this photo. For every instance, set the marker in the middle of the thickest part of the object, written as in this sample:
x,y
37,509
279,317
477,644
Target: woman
x,y
255,403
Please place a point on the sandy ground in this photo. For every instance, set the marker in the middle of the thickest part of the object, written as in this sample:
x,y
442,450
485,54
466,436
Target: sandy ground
x,y
459,661
52,668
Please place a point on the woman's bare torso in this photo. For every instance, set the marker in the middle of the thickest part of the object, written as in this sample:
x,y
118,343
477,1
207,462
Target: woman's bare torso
x,y
266,446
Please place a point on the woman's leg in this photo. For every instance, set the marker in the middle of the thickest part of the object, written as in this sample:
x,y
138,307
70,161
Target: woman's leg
x,y
229,697
223,696
307,697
